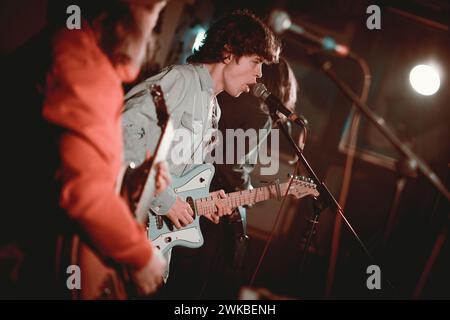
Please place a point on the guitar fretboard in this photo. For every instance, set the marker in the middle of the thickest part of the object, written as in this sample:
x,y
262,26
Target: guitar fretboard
x,y
207,205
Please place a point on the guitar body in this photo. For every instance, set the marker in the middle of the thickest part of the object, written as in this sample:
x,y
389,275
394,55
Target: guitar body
x,y
100,279
194,184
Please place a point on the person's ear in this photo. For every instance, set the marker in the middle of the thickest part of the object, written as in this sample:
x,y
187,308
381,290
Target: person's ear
x,y
227,55
228,58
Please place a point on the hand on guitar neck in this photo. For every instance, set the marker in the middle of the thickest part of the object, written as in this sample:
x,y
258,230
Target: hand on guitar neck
x,y
181,213
222,207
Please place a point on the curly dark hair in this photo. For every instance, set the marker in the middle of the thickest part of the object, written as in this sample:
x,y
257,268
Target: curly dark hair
x,y
240,33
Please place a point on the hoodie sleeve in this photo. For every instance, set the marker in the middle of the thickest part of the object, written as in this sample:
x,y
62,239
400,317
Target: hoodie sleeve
x,y
84,97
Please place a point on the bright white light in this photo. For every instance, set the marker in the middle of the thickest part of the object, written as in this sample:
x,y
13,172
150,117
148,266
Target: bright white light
x,y
425,79
198,39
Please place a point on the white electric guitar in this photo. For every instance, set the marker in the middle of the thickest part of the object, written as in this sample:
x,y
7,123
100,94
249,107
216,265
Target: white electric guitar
x,y
194,188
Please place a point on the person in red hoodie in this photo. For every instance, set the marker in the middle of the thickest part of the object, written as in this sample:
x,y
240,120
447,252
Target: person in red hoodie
x,y
82,102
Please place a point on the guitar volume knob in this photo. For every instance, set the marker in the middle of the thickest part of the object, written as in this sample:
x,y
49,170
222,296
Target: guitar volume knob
x,y
168,239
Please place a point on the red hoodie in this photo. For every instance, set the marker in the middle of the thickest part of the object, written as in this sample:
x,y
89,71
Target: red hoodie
x,y
84,96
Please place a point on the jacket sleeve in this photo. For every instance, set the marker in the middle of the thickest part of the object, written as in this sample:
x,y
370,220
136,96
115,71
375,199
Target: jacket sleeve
x,y
88,195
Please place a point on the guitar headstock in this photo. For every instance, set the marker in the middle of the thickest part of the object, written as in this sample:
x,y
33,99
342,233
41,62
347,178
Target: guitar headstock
x,y
302,187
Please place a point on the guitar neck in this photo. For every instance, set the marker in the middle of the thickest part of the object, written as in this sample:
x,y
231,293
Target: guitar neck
x,y
207,205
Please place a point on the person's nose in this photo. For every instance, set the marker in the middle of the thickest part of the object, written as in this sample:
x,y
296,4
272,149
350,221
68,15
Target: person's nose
x,y
258,70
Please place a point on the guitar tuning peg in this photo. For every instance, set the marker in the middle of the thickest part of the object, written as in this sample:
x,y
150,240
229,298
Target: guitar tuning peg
x,y
290,175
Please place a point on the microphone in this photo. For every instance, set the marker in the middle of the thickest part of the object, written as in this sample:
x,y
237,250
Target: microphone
x,y
259,91
280,22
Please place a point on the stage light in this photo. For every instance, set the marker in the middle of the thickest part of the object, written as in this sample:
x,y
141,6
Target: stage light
x,y
198,38
425,79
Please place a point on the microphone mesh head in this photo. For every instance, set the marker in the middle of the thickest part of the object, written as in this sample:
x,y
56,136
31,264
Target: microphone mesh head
x,y
258,90
279,21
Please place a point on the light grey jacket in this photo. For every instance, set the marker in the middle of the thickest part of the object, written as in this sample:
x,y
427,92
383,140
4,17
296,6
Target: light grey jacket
x,y
189,95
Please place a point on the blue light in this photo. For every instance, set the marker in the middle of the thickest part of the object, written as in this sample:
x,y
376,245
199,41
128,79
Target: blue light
x,y
199,38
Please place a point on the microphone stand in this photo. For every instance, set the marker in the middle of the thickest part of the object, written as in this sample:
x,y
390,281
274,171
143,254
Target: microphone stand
x,y
405,170
380,124
323,201
325,198
409,160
